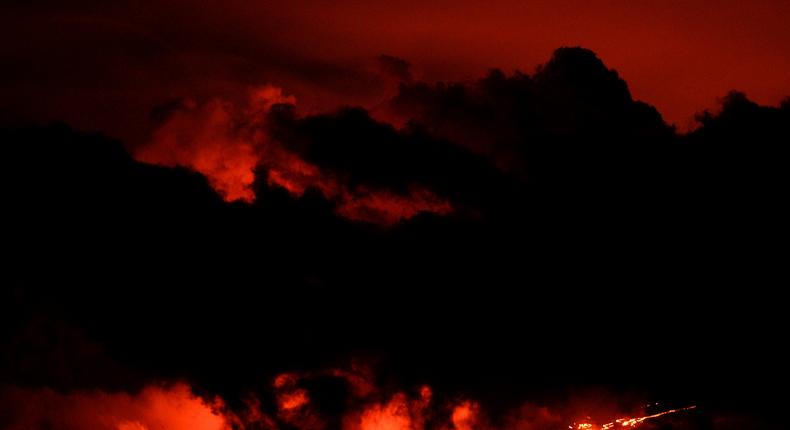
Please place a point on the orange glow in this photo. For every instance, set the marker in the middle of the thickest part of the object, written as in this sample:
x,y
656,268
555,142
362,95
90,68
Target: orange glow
x,y
464,415
402,412
206,138
292,400
627,422
358,379
289,397
426,394
284,379
394,415
173,408
199,139
289,171
399,413
388,208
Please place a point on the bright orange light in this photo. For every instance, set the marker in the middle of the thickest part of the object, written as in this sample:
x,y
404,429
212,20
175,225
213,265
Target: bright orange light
x,y
173,407
176,407
464,415
292,400
628,422
394,415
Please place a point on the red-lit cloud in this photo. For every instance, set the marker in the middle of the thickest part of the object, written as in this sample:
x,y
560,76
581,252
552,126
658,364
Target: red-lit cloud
x,y
207,138
228,142
465,415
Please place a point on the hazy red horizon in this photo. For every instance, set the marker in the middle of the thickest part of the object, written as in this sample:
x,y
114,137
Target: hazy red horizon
x,y
105,67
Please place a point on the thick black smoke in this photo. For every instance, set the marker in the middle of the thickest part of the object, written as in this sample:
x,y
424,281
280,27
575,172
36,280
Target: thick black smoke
x,y
589,243
572,117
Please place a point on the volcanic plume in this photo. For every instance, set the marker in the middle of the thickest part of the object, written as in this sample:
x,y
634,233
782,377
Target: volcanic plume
x,y
229,143
522,250
212,139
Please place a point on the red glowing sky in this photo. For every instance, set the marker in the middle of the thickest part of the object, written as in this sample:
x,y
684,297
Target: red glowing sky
x,y
104,66
678,55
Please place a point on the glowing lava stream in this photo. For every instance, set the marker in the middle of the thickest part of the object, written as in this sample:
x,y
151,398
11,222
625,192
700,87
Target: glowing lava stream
x,y
175,406
627,422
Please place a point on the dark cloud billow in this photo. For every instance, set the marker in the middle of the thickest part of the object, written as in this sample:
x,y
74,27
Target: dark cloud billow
x,y
563,121
397,68
579,218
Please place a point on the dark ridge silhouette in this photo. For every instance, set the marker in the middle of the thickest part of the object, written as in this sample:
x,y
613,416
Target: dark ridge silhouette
x,y
582,222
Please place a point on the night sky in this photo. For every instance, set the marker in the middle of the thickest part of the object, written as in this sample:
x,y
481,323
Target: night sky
x,y
361,215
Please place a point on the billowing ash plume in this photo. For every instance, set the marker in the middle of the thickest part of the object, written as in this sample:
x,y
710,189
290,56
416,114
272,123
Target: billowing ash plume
x,y
542,231
571,128
220,141
573,101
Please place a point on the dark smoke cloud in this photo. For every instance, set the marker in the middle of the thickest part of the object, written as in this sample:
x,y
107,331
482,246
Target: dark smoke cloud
x,y
368,153
395,67
589,243
566,118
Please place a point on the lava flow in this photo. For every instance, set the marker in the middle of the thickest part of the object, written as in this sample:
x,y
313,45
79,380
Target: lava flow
x,y
626,422
420,409
295,405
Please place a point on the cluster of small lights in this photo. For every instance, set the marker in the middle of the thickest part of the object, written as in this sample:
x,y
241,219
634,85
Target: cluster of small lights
x,y
625,422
